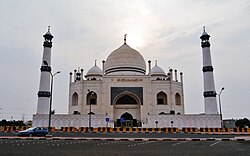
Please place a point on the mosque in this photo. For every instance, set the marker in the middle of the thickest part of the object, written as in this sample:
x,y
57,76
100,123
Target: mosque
x,y
125,92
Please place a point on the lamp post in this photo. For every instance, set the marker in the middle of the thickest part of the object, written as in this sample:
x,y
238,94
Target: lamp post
x,y
91,92
172,122
221,124
51,89
156,122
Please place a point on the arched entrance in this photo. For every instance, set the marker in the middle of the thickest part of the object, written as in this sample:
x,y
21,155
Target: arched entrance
x,y
126,120
127,110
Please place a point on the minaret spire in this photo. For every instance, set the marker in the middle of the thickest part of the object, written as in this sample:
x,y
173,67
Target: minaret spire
x,y
125,39
44,87
208,77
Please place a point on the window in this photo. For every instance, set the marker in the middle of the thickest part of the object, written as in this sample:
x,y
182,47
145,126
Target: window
x,y
160,101
162,98
172,112
91,98
75,99
127,100
76,113
92,101
177,99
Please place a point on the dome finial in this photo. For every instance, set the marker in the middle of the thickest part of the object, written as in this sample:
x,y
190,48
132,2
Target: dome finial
x,y
95,62
49,28
155,62
204,29
125,38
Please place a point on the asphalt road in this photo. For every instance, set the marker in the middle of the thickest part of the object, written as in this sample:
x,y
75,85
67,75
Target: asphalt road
x,y
133,135
13,147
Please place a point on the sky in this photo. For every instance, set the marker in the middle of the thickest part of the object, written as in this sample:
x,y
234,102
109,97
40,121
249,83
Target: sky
x,y
89,30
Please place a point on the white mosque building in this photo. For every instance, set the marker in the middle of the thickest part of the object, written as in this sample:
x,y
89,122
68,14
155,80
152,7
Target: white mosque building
x,y
125,92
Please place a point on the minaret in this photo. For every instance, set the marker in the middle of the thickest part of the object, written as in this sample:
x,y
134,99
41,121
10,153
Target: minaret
x,y
44,87
208,77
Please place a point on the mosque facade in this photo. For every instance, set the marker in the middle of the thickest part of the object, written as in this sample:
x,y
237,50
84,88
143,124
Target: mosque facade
x,y
125,92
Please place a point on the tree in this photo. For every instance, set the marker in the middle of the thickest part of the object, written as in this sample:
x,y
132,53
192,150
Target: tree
x,y
242,123
4,122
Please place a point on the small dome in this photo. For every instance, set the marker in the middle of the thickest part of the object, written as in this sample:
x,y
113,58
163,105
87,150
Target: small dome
x,y
156,70
94,71
48,35
125,60
204,33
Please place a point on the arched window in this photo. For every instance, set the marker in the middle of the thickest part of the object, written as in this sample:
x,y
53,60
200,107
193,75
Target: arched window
x,y
162,113
126,100
91,98
162,98
177,99
75,99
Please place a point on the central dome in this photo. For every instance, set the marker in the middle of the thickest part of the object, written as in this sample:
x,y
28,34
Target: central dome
x,y
125,61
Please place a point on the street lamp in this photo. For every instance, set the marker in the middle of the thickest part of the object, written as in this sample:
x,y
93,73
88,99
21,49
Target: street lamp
x,y
51,89
91,93
172,122
221,124
156,122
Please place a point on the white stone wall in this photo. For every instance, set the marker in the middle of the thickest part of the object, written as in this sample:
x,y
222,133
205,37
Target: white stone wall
x,y
66,120
179,121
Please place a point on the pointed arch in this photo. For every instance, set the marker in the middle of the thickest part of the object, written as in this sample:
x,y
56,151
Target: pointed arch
x,y
91,98
177,99
75,99
162,98
127,116
127,98
162,113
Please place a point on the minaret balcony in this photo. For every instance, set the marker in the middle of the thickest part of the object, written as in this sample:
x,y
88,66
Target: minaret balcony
x,y
209,94
205,44
43,94
207,69
45,68
47,44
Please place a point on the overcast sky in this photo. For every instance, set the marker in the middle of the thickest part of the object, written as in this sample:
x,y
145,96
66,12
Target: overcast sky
x,y
166,31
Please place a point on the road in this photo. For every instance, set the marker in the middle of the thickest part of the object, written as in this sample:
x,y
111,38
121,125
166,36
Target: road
x,y
123,144
12,147
133,135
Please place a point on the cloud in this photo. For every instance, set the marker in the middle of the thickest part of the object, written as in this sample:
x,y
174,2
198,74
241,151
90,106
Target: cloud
x,y
168,31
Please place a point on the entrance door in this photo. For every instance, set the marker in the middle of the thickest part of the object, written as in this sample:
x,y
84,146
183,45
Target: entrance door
x,y
124,103
126,120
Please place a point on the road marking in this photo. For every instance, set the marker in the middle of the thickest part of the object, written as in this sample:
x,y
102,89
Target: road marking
x,y
214,143
178,143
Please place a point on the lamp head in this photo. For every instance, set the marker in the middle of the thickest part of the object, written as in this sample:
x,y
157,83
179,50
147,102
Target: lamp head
x,y
45,62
